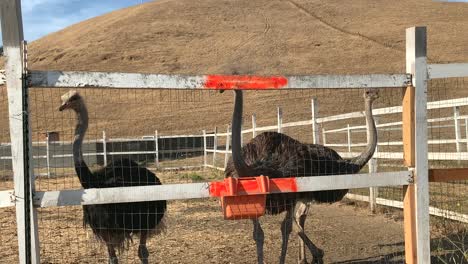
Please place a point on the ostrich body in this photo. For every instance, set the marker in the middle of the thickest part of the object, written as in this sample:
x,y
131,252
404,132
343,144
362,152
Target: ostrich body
x,y
114,224
279,156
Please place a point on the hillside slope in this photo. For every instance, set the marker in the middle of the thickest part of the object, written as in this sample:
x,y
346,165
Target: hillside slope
x,y
248,36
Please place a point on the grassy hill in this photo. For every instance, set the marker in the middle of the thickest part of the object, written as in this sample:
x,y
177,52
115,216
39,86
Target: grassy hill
x,y
248,36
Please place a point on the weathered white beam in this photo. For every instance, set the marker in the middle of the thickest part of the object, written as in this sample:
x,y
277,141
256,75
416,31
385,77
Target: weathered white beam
x,y
352,181
201,190
452,70
26,215
121,195
7,198
140,80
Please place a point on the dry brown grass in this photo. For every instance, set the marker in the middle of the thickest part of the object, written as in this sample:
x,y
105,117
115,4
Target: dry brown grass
x,y
254,37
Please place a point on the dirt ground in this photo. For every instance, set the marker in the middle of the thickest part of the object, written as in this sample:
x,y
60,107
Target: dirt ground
x,y
196,233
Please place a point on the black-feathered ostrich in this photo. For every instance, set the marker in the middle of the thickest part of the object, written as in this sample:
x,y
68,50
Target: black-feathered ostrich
x,y
277,155
114,224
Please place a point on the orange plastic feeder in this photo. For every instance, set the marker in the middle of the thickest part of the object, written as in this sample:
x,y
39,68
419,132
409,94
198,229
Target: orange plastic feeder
x,y
244,198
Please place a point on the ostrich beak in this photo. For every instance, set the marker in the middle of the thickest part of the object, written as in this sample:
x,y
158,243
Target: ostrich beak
x,y
63,107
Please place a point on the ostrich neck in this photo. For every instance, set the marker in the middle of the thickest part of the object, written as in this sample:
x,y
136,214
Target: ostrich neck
x,y
81,167
365,156
239,163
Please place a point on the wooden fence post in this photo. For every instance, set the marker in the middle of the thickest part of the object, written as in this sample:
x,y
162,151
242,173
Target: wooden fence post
x,y
416,203
156,148
280,118
324,137
456,120
215,145
228,141
373,191
315,126
254,125
204,149
349,138
104,147
21,147
48,154
466,133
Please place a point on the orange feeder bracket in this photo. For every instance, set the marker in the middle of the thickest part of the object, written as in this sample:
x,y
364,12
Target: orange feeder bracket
x,y
245,198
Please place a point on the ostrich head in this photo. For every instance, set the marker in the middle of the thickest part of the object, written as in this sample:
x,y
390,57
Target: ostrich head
x,y
371,94
71,100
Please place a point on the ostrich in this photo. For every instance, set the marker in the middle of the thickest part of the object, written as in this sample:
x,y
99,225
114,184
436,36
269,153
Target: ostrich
x,y
277,155
114,224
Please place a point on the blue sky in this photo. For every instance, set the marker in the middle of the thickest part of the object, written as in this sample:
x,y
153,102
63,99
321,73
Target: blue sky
x,y
41,17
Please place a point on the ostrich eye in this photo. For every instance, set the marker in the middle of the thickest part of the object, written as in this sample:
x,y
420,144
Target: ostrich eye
x,y
73,98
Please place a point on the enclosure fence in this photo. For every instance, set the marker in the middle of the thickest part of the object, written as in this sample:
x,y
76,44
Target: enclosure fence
x,y
414,176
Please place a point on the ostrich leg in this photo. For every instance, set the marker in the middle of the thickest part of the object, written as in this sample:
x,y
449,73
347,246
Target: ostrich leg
x,y
259,238
286,228
143,253
300,215
112,256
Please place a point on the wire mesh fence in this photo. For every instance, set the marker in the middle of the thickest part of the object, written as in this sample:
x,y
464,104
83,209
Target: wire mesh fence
x,y
130,119
449,238
173,134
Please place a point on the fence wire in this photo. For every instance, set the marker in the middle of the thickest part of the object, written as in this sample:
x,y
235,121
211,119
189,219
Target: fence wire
x,y
449,200
174,134
168,132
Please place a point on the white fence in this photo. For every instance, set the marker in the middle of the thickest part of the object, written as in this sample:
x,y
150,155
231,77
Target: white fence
x,y
157,152
316,122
